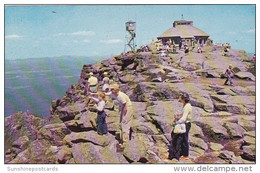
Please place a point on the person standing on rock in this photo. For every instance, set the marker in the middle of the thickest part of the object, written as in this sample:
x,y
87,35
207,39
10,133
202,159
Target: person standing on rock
x,y
185,118
101,115
179,145
105,83
92,83
126,114
180,44
229,72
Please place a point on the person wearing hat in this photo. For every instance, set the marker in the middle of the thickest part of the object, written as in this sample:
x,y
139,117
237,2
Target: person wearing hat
x,y
92,83
229,72
126,112
105,82
179,145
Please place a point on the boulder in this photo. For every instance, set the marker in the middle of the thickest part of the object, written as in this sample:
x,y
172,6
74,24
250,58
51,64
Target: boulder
x,y
146,128
131,66
209,158
215,146
89,120
195,152
162,114
152,157
248,140
54,133
232,108
234,129
160,138
20,144
213,127
250,133
249,152
126,78
157,79
198,142
64,154
226,91
229,157
21,124
135,150
247,122
39,151
245,75
89,136
90,153
243,91
196,130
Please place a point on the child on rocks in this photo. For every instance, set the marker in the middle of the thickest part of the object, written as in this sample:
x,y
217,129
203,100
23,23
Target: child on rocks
x,y
101,115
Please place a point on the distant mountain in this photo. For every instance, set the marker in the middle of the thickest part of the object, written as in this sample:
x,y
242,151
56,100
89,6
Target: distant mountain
x,y
31,84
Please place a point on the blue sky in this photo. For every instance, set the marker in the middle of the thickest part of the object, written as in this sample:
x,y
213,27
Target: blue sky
x,y
88,30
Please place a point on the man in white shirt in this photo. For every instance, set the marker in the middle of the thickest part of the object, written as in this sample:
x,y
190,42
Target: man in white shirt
x,y
92,83
126,110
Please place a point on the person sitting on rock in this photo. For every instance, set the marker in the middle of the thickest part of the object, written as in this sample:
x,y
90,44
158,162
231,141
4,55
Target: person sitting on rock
x,y
228,73
101,115
126,114
92,83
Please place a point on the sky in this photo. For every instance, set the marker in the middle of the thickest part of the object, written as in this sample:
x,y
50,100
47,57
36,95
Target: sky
x,y
99,30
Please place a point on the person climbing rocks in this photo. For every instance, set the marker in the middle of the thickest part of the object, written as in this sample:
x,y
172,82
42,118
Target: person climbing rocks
x,y
126,113
229,73
92,83
101,115
179,146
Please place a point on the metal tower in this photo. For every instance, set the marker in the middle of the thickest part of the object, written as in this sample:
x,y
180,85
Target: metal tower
x,y
130,35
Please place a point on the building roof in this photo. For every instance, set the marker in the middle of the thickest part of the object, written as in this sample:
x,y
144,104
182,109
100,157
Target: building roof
x,y
183,29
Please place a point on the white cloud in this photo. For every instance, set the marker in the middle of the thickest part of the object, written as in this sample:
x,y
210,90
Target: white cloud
x,y
250,31
78,33
112,41
14,36
232,32
83,33
61,34
86,41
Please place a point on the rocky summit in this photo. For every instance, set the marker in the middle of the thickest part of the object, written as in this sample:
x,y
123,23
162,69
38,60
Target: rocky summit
x,y
223,120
